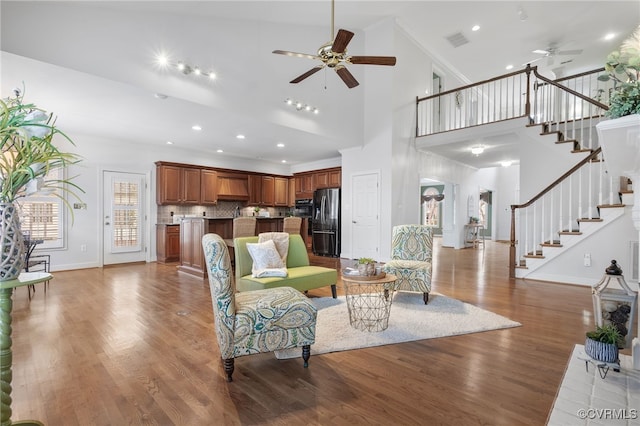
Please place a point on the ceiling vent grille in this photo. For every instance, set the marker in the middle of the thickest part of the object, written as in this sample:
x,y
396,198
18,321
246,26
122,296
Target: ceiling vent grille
x,y
457,39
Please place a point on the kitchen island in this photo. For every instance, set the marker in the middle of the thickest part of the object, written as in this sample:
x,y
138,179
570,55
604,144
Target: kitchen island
x,y
192,229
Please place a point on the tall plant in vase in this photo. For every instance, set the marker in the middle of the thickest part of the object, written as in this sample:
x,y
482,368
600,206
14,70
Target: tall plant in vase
x,y
27,136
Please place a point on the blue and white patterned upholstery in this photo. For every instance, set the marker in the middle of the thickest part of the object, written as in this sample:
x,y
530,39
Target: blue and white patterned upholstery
x,y
411,254
254,321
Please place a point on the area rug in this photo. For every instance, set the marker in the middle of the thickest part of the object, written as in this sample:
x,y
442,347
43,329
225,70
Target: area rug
x,y
410,320
587,398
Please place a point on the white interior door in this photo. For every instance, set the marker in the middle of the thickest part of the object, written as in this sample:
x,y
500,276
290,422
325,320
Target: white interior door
x,y
365,226
124,215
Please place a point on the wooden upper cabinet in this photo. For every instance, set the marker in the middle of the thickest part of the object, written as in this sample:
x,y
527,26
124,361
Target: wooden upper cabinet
x,y
305,185
281,190
255,190
330,178
191,186
168,185
292,193
335,178
177,185
208,186
261,190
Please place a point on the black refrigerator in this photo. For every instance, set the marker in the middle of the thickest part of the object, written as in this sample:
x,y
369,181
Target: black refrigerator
x,y
326,222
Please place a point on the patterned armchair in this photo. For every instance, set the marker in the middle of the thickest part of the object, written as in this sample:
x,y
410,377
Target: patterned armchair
x,y
254,321
411,252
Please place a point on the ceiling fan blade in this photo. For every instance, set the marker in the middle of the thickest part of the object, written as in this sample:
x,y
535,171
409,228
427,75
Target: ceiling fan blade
x,y
340,42
307,74
570,52
296,54
346,76
372,60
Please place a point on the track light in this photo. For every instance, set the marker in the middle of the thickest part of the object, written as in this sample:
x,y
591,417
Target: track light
x,y
477,150
184,68
301,106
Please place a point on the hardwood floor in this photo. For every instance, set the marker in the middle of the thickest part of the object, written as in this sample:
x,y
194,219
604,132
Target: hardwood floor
x,y
130,345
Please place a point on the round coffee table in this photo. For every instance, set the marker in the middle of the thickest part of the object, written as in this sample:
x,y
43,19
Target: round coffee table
x,y
369,301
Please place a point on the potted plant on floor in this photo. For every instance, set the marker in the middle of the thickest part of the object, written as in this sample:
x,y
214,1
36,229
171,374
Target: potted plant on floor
x,y
602,343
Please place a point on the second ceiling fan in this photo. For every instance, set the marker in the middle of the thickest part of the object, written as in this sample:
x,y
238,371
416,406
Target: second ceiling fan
x,y
333,54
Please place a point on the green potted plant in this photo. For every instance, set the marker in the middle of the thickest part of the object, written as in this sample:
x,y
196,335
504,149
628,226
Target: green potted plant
x,y
623,68
27,136
366,266
602,343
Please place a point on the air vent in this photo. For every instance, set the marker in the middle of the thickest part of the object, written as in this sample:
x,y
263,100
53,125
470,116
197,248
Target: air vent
x,y
457,39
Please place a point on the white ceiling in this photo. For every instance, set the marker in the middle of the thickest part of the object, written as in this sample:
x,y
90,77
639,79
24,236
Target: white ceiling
x,y
93,63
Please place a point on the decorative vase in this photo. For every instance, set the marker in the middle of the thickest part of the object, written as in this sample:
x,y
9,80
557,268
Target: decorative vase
x,y
366,269
12,249
605,352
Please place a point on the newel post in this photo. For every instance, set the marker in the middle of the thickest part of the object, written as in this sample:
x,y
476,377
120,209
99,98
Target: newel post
x,y
527,105
512,245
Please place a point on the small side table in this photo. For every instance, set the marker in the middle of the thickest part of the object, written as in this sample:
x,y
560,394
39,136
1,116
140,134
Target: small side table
x,y
6,305
369,301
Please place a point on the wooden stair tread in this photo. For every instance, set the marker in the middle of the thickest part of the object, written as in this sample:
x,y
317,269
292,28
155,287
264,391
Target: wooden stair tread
x,y
534,256
570,233
577,151
551,245
584,219
608,206
567,141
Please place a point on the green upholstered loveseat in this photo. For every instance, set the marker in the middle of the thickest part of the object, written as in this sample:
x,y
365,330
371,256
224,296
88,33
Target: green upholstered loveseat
x,y
301,275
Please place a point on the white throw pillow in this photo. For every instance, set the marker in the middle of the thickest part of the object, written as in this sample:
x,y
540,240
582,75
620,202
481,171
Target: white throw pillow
x,y
265,257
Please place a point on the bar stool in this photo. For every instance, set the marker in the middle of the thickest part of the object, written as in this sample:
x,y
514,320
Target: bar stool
x,y
242,227
292,225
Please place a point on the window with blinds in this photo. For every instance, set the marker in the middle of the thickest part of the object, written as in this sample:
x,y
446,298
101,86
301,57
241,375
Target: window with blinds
x,y
42,216
126,223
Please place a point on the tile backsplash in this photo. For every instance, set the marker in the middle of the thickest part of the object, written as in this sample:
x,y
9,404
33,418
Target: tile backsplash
x,y
222,209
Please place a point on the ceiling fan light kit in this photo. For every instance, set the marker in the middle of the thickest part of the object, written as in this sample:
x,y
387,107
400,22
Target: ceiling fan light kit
x,y
334,55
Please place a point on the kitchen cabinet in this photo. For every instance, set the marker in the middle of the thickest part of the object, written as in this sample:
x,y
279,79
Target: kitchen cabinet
x,y
168,242
208,186
331,178
233,186
292,193
281,192
177,185
261,190
191,253
304,186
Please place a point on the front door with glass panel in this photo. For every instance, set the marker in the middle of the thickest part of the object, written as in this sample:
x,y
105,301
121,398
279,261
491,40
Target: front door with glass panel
x,y
123,218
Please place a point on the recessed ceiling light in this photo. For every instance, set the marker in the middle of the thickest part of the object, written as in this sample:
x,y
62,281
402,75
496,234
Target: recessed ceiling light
x,y
196,127
477,150
160,96
220,151
610,36
509,67
240,136
506,163
475,28
163,60
212,75
169,143
284,161
280,145
196,71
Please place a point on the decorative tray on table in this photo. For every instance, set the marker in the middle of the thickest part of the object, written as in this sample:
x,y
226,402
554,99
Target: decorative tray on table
x,y
353,274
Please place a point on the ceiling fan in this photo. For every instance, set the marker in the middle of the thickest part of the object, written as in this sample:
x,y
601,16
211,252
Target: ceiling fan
x,y
552,51
333,54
